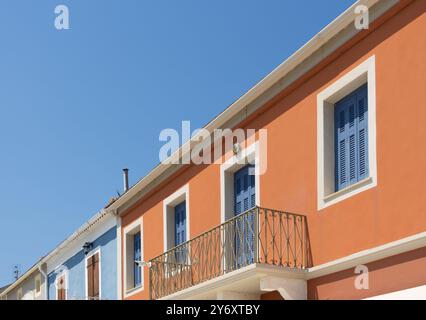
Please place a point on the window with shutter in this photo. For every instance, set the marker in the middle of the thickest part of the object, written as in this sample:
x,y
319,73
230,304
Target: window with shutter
x,y
351,138
61,288
92,265
180,223
137,272
180,231
244,200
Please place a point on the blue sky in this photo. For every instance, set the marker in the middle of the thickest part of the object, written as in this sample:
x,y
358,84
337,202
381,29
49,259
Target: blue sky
x,y
79,105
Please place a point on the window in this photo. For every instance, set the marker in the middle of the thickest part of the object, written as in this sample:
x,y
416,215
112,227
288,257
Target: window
x,y
93,276
240,188
180,223
351,134
133,258
244,200
346,136
176,218
61,288
244,190
137,259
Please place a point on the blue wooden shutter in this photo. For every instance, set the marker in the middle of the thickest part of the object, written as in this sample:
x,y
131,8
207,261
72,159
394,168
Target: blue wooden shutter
x,y
362,130
180,223
244,200
244,190
137,257
351,138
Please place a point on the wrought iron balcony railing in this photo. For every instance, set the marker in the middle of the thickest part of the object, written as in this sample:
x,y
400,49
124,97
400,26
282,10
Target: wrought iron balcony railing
x,y
257,236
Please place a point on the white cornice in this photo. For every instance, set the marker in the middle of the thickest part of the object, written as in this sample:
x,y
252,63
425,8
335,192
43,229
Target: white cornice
x,y
285,74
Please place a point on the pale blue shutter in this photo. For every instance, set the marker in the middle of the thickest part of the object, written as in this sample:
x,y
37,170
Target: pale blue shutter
x,y
244,200
137,257
351,138
244,190
362,124
180,223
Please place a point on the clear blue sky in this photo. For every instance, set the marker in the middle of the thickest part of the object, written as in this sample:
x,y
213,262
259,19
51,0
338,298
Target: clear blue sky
x,y
79,105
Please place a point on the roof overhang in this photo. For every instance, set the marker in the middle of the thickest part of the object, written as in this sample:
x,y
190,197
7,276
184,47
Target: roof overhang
x,y
323,44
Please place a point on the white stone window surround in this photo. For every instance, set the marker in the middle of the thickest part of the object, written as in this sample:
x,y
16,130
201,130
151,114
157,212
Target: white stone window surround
x,y
129,232
363,73
169,204
249,155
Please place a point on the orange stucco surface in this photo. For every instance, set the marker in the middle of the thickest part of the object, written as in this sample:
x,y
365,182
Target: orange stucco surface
x,y
392,210
397,273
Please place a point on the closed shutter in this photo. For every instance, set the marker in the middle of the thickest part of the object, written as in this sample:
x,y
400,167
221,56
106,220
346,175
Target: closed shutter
x,y
362,104
244,200
244,190
351,138
137,257
90,288
93,277
96,276
180,223
61,287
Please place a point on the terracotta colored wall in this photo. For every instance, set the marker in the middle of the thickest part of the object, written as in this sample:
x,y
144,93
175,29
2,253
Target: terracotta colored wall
x,y
392,210
396,273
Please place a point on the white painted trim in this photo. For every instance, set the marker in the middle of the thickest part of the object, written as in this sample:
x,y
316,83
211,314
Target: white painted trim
x,y
69,249
59,276
364,73
417,293
132,229
22,278
363,257
289,289
168,204
227,170
97,251
313,52
255,271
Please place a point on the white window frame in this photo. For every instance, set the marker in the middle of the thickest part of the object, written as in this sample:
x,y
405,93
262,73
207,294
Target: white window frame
x,y
97,251
168,216
249,155
129,231
363,73
59,276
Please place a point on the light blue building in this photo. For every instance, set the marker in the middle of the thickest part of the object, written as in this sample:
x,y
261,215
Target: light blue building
x,y
85,266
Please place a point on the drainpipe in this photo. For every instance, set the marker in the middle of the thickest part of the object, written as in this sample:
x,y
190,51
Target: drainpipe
x,y
46,287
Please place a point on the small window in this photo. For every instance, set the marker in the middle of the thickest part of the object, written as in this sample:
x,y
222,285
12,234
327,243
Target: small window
x,y
61,288
346,135
176,218
133,258
180,223
137,259
93,276
351,138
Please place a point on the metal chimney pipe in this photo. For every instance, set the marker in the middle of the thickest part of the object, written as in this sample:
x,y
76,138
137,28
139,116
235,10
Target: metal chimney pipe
x,y
126,179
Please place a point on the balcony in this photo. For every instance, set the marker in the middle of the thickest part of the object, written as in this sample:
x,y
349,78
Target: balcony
x,y
259,237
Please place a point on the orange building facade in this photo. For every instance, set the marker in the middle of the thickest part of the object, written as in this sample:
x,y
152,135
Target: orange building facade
x,y
320,238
